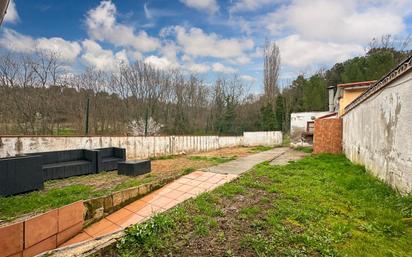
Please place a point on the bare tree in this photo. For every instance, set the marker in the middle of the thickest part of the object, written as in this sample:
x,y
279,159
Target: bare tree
x,y
271,71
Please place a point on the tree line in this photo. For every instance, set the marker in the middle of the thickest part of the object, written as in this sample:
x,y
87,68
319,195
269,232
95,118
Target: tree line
x,y
39,96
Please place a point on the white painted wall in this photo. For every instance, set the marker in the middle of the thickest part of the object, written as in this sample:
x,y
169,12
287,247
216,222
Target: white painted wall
x,y
378,134
136,147
267,138
298,123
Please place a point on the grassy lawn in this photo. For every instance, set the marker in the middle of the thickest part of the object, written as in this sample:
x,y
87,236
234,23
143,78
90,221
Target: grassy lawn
x,y
319,206
305,149
213,159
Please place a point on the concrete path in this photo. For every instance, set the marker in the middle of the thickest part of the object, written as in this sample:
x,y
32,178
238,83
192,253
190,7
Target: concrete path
x,y
288,155
244,164
185,187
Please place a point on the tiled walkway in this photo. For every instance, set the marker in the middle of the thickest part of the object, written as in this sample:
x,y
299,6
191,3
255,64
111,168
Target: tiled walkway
x,y
163,199
170,195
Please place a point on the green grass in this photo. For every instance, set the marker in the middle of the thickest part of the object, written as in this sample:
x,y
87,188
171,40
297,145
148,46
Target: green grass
x,y
260,148
213,159
14,206
163,157
320,206
305,149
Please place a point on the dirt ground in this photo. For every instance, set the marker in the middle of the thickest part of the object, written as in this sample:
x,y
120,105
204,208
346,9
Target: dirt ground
x,y
161,168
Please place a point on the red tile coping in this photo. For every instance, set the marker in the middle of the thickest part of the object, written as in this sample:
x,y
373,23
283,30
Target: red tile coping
x,y
11,239
40,227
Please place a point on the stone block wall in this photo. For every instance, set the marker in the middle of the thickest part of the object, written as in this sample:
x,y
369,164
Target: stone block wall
x,y
328,136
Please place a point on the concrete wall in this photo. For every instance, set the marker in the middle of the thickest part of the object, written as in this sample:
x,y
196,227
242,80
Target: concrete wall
x,y
327,137
298,123
262,138
136,147
378,133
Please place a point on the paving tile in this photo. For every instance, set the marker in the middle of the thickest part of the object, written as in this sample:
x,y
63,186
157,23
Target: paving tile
x,y
174,194
197,190
70,215
11,241
194,175
82,237
174,185
40,227
148,198
161,201
164,190
194,183
215,179
20,254
205,185
136,205
43,246
149,210
184,197
185,188
101,225
171,204
183,180
124,218
111,229
65,235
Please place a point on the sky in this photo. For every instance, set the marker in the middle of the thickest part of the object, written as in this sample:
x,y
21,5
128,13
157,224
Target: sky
x,y
211,38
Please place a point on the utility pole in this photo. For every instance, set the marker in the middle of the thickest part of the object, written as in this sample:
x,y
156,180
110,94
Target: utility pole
x,y
86,121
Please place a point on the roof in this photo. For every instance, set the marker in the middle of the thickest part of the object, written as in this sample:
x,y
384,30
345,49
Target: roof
x,y
402,68
330,115
357,84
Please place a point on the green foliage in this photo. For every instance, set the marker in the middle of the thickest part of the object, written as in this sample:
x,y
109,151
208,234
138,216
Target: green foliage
x,y
261,148
189,170
280,113
268,118
13,206
305,149
163,157
212,159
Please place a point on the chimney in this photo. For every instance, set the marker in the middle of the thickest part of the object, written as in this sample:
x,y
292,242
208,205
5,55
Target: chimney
x,y
331,96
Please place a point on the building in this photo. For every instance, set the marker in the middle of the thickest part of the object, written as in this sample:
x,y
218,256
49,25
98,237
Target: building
x,y
345,94
301,127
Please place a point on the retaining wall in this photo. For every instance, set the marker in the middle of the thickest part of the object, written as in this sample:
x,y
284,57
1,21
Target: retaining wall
x,y
377,133
136,147
327,136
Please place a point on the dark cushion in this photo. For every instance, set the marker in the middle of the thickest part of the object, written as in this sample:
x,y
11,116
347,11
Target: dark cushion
x,y
111,159
65,164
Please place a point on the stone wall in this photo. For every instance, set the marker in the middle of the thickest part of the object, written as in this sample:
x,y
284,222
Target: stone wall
x,y
136,147
327,137
377,133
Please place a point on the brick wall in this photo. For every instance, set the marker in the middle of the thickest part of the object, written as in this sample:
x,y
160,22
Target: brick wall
x,y
328,136
41,233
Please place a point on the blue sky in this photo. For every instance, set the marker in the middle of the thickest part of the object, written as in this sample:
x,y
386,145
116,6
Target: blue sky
x,y
209,37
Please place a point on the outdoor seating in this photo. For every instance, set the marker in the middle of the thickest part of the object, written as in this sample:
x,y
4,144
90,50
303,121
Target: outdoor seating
x,y
20,174
64,164
134,168
109,157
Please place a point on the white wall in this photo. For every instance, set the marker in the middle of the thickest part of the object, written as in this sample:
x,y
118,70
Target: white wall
x,y
268,138
298,123
378,134
136,147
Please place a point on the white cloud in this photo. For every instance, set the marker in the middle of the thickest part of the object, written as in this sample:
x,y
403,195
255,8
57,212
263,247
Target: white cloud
x,y
158,62
249,5
299,53
218,67
102,59
209,6
11,16
65,49
102,25
248,78
347,21
195,42
197,67
16,42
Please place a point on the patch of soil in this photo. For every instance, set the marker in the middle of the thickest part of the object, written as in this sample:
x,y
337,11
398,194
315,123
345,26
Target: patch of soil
x,y
225,240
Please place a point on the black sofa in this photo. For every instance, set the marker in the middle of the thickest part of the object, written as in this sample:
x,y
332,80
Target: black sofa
x,y
64,164
107,158
20,174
